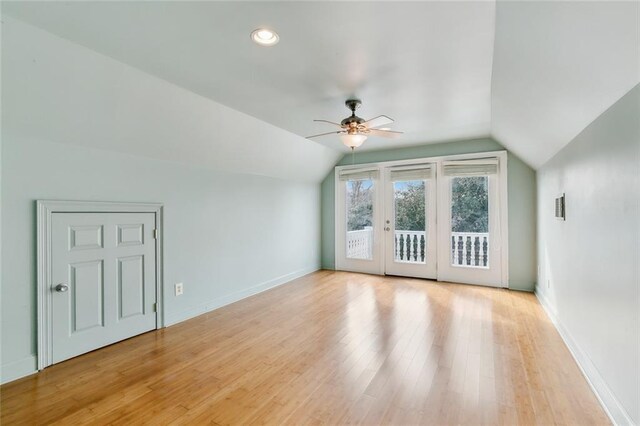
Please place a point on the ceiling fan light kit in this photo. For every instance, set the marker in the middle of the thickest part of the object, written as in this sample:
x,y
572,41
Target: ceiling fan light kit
x,y
353,141
354,130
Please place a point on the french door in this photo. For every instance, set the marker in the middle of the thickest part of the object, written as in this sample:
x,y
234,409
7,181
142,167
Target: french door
x,y
442,219
358,221
410,221
469,226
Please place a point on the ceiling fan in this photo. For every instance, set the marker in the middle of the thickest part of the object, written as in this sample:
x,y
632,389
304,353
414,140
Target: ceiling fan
x,y
354,130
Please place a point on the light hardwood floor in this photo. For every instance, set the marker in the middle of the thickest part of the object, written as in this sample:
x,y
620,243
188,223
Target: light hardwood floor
x,y
332,348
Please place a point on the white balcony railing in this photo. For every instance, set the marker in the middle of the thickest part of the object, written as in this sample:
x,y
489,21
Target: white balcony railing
x,y
470,249
360,243
410,246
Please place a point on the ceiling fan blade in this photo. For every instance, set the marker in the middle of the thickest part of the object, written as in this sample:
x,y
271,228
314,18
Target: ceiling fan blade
x,y
324,134
385,133
330,122
378,121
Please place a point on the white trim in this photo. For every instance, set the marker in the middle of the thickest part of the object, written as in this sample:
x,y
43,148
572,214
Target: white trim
x,y
502,194
172,319
18,369
504,215
614,409
45,208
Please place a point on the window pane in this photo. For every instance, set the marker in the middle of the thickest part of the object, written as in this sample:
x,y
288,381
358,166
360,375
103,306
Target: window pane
x,y
359,219
470,221
410,235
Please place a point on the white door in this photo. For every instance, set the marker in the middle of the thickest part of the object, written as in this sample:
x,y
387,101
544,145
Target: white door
x,y
410,221
103,279
358,224
469,222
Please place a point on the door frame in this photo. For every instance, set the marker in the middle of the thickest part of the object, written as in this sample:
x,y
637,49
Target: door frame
x,y
45,210
381,165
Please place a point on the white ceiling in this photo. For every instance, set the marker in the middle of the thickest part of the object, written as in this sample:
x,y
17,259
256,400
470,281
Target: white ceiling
x,y
557,67
429,65
57,91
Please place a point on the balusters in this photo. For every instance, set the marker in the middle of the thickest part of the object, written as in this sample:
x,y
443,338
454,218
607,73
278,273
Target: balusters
x,y
359,243
454,245
407,253
396,244
467,250
365,247
485,251
411,246
470,249
414,248
476,250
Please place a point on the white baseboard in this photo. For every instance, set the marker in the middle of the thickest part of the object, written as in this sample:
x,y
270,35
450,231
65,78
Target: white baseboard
x,y
171,319
616,412
17,369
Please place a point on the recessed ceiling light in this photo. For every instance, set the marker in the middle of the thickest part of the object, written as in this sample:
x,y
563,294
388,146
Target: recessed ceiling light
x,y
265,37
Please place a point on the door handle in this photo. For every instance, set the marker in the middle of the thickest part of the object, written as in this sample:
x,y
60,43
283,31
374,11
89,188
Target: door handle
x,y
61,288
387,229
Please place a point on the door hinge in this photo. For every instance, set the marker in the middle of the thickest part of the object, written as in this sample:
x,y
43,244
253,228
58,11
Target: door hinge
x,y
155,234
155,307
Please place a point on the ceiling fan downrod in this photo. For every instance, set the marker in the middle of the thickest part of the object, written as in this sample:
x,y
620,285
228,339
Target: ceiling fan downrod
x,y
353,105
352,122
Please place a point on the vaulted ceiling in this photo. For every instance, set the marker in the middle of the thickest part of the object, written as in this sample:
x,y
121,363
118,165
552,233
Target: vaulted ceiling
x,y
530,74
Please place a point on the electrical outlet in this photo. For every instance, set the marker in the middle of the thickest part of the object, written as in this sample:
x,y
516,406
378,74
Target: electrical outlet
x,y
179,289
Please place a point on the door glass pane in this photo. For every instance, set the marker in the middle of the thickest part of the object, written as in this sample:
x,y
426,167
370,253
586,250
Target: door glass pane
x,y
470,221
359,219
410,237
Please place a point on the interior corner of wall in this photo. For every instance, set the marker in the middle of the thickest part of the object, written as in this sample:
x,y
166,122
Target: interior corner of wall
x,y
522,286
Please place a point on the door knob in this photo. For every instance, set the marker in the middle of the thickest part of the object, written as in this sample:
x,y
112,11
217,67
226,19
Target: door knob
x,y
387,229
61,288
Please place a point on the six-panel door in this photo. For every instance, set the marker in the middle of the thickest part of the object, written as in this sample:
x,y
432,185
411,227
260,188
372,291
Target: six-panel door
x,y
103,279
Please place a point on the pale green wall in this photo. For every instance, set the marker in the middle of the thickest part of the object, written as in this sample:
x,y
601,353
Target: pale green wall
x,y
522,203
214,220
589,277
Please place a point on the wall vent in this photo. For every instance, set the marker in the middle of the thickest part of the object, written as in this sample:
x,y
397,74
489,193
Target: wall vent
x,y
560,208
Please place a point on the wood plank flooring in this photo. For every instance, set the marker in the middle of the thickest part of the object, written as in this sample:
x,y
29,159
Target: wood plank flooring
x,y
328,348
